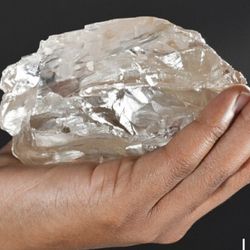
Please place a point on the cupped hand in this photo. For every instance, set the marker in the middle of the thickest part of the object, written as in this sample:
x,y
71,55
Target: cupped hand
x,y
154,198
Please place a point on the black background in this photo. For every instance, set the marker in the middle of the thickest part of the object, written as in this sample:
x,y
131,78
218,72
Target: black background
x,y
224,24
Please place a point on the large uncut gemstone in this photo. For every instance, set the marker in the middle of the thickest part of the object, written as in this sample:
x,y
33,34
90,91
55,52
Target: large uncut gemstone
x,y
115,88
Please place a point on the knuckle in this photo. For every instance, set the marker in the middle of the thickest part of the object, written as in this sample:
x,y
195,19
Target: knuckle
x,y
165,180
181,167
178,167
183,163
214,180
213,129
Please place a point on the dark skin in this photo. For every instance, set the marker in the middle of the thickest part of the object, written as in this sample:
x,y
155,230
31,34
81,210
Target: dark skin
x,y
154,198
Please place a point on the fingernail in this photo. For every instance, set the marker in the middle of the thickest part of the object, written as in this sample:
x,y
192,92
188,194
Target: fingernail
x,y
241,101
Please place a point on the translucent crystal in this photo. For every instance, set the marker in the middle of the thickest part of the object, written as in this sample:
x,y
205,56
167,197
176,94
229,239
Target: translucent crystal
x,y
120,87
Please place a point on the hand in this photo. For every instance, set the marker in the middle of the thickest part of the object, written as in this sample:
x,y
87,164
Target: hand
x,y
155,198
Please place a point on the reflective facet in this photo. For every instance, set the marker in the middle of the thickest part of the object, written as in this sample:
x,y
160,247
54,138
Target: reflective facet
x,y
115,88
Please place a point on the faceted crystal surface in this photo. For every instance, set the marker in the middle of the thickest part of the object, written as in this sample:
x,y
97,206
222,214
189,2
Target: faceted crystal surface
x,y
114,88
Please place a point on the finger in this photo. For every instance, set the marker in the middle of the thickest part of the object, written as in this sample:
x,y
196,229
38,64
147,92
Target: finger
x,y
226,157
161,170
231,186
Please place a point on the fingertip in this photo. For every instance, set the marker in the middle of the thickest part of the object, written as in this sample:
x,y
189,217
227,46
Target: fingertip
x,y
242,100
237,89
227,104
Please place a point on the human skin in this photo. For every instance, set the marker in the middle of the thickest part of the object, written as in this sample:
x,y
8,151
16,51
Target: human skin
x,y
154,198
